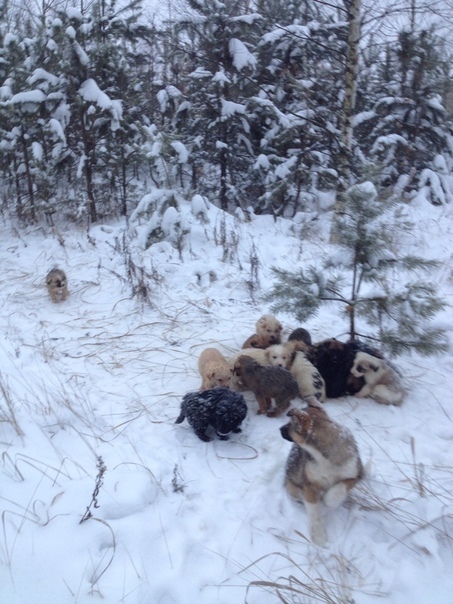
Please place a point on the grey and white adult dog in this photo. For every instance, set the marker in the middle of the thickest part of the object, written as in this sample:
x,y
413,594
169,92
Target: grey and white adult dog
x,y
323,464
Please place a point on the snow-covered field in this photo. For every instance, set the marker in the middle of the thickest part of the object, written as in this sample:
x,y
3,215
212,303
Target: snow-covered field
x,y
99,379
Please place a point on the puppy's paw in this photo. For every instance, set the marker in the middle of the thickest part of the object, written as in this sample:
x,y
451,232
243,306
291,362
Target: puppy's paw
x,y
273,413
203,437
318,536
336,495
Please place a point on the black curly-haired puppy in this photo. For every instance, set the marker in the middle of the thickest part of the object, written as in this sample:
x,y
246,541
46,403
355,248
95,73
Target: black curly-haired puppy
x,y
334,360
220,408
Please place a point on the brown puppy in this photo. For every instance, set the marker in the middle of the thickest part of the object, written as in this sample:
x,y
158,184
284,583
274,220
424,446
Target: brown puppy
x,y
214,369
267,383
256,354
268,332
323,464
382,382
57,284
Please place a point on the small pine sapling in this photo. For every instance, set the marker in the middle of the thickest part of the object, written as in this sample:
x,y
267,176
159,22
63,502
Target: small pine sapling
x,y
367,275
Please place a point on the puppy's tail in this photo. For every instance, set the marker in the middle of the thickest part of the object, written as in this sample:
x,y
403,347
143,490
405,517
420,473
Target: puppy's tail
x,y
180,419
313,401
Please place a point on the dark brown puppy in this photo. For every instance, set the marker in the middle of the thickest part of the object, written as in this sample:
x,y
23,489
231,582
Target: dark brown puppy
x,y
267,383
323,464
301,339
334,360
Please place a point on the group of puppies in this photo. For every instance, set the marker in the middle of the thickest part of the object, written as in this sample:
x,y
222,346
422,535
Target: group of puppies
x,y
324,462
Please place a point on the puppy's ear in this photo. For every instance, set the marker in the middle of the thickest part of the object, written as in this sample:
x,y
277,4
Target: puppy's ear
x,y
300,421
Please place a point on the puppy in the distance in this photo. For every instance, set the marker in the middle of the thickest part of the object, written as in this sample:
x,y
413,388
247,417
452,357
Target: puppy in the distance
x,y
323,464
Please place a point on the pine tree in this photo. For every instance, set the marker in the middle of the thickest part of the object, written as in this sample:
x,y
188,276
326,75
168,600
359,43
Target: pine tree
x,y
407,132
297,111
369,279
218,63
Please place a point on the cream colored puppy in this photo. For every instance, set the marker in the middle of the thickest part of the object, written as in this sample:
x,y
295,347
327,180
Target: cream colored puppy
x,y
308,378
214,369
382,382
280,355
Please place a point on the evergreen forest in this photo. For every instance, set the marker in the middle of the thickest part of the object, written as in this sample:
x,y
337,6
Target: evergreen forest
x,y
262,105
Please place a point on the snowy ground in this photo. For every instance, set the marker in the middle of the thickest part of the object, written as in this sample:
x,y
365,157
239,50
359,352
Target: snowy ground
x,y
102,375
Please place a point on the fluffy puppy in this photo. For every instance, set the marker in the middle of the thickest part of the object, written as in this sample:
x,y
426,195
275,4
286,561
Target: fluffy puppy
x,y
382,382
268,332
308,378
334,360
256,354
323,464
57,284
301,339
280,355
267,383
221,409
214,369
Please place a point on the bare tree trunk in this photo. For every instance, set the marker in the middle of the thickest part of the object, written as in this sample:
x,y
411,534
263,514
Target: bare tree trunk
x,y
28,176
88,148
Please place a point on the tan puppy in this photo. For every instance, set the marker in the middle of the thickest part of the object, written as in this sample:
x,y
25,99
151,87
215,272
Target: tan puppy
x,y
382,382
268,332
256,354
323,464
57,284
308,378
268,384
214,369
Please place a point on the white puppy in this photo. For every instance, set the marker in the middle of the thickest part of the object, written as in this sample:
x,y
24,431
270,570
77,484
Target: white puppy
x,y
382,382
280,355
308,378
